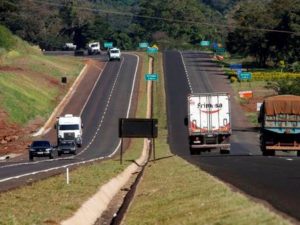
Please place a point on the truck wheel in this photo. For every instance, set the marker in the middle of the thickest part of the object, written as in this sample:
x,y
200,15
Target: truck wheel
x,y
59,153
30,157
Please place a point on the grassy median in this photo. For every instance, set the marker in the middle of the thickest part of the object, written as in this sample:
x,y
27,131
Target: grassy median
x,y
173,191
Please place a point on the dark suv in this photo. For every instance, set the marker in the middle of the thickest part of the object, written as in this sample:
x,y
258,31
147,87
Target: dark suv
x,y
41,148
66,147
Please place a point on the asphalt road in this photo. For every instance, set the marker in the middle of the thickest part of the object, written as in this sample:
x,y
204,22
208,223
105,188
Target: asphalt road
x,y
275,180
109,95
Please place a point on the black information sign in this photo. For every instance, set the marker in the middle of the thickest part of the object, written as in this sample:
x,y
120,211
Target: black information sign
x,y
137,128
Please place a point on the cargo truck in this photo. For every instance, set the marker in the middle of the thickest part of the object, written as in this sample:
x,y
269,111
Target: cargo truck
x,y
209,122
279,117
69,128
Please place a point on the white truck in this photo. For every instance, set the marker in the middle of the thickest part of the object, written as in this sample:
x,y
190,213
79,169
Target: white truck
x,y
69,128
209,123
94,48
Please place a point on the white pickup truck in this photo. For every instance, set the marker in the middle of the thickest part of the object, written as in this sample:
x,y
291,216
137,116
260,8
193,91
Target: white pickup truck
x,y
209,122
114,54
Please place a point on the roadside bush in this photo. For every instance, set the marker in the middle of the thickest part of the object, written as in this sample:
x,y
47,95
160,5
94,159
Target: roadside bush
x,y
295,67
233,79
285,86
271,76
7,40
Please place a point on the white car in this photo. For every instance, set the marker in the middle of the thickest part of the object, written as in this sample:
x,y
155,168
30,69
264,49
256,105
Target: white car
x,y
114,54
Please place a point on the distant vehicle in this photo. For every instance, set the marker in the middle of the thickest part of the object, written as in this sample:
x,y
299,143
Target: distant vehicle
x,y
279,117
41,148
209,122
94,48
114,54
66,147
69,46
69,128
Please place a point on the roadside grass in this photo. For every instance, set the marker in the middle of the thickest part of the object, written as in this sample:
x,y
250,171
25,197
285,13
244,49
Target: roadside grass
x,y
172,191
30,81
31,86
52,200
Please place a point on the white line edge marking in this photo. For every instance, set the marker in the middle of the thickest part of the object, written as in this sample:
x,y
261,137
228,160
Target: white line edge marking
x,y
186,73
86,161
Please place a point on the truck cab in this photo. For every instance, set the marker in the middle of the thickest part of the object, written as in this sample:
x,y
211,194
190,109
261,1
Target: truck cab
x,y
69,128
94,48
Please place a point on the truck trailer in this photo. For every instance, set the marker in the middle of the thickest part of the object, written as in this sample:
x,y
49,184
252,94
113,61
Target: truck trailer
x,y
209,122
279,117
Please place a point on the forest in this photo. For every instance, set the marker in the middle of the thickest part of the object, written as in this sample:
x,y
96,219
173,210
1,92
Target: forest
x,y
266,30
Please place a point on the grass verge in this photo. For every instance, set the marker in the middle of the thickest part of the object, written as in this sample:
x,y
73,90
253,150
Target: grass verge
x,y
173,191
30,81
52,200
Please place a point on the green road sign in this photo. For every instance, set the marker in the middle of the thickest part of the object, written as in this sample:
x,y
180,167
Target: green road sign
x,y
144,45
152,50
108,44
220,50
245,76
205,43
151,76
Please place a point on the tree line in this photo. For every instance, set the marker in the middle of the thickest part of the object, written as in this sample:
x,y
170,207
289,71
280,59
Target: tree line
x,y
245,27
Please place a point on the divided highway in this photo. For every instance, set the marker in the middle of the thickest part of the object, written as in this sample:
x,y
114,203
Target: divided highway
x,y
275,180
109,95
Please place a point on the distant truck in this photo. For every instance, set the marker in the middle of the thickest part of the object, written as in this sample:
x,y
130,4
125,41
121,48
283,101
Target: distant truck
x,y
279,117
69,46
94,48
69,128
209,122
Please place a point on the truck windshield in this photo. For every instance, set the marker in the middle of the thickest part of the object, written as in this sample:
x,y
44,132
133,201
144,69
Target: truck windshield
x,y
69,127
114,51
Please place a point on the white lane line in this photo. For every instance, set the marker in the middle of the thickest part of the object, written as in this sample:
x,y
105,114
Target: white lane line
x,y
289,159
186,73
130,99
82,162
88,98
70,157
105,110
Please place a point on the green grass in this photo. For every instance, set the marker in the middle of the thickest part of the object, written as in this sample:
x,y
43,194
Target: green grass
x,y
52,200
30,81
173,191
23,99
31,87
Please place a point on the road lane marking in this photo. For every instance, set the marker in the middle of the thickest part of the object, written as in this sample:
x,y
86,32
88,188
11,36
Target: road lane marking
x,y
186,73
66,158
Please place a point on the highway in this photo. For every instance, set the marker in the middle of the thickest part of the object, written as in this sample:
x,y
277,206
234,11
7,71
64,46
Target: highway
x,y
274,180
104,96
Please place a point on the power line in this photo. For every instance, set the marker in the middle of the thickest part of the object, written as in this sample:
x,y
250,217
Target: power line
x,y
169,20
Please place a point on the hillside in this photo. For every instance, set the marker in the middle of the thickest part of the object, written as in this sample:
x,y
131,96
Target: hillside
x,y
30,87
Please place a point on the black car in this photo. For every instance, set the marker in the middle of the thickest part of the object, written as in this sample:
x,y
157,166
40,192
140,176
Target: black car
x,y
41,148
66,147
